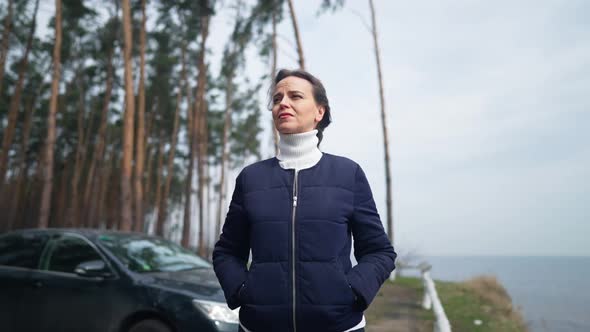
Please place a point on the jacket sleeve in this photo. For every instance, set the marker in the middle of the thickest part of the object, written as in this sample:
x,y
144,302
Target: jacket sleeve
x,y
230,255
372,249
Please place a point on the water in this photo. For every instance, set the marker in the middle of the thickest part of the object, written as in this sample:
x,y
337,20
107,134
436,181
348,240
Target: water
x,y
552,292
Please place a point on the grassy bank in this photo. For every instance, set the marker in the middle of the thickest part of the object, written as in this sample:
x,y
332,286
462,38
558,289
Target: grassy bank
x,y
483,299
397,307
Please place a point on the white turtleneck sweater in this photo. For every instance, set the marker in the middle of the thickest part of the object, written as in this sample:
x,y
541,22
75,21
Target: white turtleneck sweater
x,y
300,151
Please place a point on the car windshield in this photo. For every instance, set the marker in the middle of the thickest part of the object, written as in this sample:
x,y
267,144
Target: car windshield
x,y
150,254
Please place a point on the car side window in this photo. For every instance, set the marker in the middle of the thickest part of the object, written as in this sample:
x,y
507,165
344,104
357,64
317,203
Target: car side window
x,y
68,252
22,249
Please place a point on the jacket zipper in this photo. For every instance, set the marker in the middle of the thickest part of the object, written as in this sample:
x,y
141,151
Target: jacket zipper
x,y
293,246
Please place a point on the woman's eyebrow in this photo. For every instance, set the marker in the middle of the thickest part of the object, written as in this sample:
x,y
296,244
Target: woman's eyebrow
x,y
278,93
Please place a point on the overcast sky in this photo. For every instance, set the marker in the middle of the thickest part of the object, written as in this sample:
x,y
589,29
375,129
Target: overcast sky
x,y
488,108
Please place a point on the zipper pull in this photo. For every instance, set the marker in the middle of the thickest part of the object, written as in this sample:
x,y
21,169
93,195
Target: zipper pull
x,y
294,201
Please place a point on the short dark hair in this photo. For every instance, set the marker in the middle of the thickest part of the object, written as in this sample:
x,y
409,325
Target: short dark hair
x,y
319,94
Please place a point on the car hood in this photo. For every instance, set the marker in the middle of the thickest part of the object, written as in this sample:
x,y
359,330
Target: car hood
x,y
198,283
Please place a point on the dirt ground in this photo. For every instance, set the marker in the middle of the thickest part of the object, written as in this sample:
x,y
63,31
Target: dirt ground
x,y
397,308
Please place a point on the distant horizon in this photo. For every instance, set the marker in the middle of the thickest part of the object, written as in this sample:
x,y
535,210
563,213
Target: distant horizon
x,y
551,292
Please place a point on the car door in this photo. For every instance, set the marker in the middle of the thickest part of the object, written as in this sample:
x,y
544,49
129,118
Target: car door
x,y
73,302
19,256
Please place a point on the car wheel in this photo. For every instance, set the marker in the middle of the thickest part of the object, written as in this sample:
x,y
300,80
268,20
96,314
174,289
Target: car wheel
x,y
150,325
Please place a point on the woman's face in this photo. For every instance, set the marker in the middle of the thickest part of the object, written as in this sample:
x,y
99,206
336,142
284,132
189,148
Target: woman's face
x,y
294,109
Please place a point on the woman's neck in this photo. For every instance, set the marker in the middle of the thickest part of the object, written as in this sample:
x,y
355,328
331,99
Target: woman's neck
x,y
299,151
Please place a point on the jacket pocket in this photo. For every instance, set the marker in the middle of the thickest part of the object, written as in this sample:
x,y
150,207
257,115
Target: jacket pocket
x,y
353,296
323,283
348,293
266,284
243,291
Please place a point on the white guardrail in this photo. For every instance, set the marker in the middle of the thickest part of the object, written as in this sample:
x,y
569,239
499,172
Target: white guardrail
x,y
431,300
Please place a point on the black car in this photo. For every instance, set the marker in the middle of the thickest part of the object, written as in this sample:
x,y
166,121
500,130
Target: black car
x,y
90,280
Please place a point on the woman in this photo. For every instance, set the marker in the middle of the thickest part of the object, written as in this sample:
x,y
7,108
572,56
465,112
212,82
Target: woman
x,y
297,213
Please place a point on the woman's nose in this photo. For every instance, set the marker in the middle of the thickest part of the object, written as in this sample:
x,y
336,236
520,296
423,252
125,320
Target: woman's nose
x,y
284,102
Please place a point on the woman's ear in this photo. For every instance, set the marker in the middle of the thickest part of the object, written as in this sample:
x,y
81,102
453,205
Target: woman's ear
x,y
320,115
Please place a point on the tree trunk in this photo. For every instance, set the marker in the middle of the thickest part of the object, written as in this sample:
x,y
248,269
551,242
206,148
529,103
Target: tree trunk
x,y
88,134
72,218
62,193
99,212
105,206
202,169
22,163
24,183
28,216
189,96
50,140
389,189
159,227
109,185
208,200
297,36
150,156
98,153
186,233
140,148
273,72
189,136
189,186
163,210
5,41
15,100
150,122
202,134
224,152
113,201
20,198
199,99
148,179
128,125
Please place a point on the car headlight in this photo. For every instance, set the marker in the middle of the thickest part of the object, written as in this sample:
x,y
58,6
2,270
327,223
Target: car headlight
x,y
218,311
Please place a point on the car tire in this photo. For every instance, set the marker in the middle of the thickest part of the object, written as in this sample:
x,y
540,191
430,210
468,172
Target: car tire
x,y
150,325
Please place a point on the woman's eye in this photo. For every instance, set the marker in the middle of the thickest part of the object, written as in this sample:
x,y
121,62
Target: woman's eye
x,y
296,97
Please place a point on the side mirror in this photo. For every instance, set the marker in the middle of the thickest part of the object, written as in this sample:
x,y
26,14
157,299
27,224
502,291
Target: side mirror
x,y
95,268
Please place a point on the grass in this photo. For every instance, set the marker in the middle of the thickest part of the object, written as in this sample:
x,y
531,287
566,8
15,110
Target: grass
x,y
481,298
397,307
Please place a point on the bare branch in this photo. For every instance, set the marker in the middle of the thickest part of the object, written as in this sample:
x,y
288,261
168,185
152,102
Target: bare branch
x,y
287,40
363,21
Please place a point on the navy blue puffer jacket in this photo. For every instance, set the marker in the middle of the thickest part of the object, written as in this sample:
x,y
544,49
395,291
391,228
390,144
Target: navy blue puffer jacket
x,y
299,227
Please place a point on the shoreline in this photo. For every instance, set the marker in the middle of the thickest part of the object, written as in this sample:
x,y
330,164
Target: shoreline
x,y
481,304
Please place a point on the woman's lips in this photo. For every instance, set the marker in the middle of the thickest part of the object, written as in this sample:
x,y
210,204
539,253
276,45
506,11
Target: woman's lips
x,y
285,116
